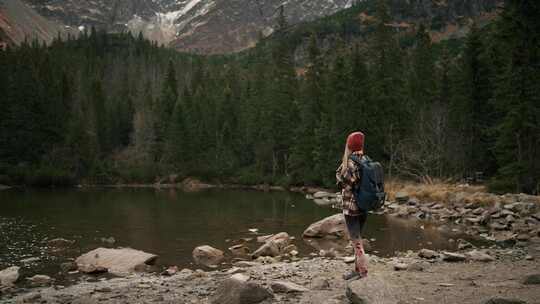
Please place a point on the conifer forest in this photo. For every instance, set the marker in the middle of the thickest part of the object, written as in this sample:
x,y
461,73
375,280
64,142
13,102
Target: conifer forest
x,y
104,108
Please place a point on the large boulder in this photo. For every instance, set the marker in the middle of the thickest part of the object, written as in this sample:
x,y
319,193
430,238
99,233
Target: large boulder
x,y
371,290
207,255
117,261
332,226
9,276
239,290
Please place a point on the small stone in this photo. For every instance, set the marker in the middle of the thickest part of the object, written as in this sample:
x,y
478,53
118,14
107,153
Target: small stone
x,y
418,266
32,297
239,250
9,276
453,257
400,266
207,255
503,301
533,279
479,256
103,289
286,287
529,258
462,244
401,196
427,254
236,290
40,279
320,284
170,271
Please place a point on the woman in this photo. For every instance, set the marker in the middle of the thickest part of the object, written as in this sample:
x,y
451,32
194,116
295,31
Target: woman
x,y
347,176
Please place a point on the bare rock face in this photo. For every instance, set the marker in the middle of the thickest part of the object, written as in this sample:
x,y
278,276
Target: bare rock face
x,y
239,290
118,261
332,226
371,290
9,276
207,255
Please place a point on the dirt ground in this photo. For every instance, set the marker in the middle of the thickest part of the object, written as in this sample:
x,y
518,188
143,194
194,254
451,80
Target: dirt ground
x,y
432,282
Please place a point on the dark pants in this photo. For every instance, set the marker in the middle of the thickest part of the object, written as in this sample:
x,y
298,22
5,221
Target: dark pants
x,y
355,224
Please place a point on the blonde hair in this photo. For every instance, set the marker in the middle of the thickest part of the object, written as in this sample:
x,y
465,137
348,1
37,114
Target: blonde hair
x,y
345,159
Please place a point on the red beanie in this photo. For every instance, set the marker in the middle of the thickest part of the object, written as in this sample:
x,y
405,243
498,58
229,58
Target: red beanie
x,y
355,141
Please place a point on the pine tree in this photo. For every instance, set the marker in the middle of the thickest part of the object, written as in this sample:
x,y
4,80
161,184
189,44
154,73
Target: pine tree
x,y
518,96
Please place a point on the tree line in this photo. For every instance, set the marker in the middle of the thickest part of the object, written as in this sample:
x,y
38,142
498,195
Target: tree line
x,y
110,108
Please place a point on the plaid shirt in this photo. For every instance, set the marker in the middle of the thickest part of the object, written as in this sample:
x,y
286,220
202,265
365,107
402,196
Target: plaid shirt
x,y
346,182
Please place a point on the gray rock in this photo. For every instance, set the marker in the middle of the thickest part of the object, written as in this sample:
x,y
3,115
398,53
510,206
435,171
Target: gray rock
x,y
371,290
413,201
119,261
238,290
453,257
418,266
320,284
9,276
479,256
269,248
324,202
32,297
332,226
401,196
240,250
428,254
207,255
503,301
533,279
400,266
40,279
322,194
286,287
462,244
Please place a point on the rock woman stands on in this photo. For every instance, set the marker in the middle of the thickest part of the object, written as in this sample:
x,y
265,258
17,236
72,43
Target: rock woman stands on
x,y
348,176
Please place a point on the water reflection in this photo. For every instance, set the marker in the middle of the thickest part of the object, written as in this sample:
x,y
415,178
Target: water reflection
x,y
171,223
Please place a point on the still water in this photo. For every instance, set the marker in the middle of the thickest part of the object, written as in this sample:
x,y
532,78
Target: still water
x,y
171,223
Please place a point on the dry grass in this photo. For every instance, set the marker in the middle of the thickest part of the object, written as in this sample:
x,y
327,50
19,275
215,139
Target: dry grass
x,y
445,192
441,191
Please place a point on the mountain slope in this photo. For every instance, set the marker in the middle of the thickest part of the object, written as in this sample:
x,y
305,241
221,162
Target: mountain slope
x,y
18,21
205,26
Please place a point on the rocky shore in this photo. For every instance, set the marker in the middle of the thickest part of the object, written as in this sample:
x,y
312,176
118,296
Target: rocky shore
x,y
504,269
507,276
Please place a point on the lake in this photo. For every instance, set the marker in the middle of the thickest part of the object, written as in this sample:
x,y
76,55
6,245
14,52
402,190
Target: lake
x,y
171,223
